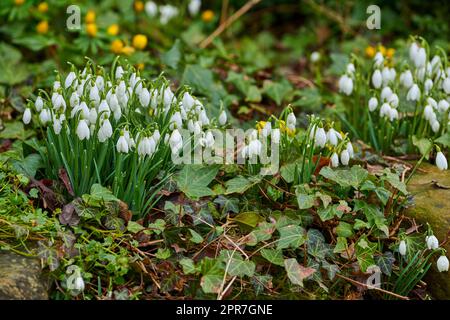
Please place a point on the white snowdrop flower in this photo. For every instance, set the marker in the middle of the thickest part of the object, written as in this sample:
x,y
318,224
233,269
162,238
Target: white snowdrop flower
x,y
84,110
123,100
143,148
103,109
194,7
315,57
56,85
386,93
176,142
203,118
197,128
402,248
427,112
334,160
345,157
378,60
209,139
119,72
432,102
443,106
350,68
100,83
393,114
144,98
156,136
121,89
420,73
428,85
79,283
276,136
188,101
176,121
254,148
267,129
183,112
373,104
441,161
167,13
446,85
432,242
69,79
406,79
385,109
244,152
350,150
114,102
92,116
168,97
377,79
59,102
435,61
291,121
83,130
393,100
420,58
386,75
346,85
413,50
122,145
190,125
392,74
413,93
94,95
39,104
129,138
26,116
223,118
321,137
57,125
151,9
105,132
80,87
442,264
333,136
435,125
117,114
44,116
74,99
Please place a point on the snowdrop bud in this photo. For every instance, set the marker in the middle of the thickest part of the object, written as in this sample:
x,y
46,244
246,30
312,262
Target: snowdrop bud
x,y
321,137
393,100
345,157
334,160
378,60
105,132
194,7
432,242
446,85
377,79
38,104
83,130
276,136
56,85
435,61
386,93
79,283
333,136
350,149
413,50
442,264
223,118
402,248
373,104
435,125
428,85
420,58
406,79
346,85
122,145
69,80
291,121
44,116
144,97
119,72
100,83
385,109
413,93
441,161
26,116
151,9
315,57
350,68
393,114
443,106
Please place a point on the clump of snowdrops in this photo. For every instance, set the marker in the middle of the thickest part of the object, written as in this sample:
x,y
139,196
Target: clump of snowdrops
x,y
118,130
398,104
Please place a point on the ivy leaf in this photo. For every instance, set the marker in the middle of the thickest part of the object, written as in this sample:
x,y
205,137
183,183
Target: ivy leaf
x,y
134,227
364,253
296,272
424,145
341,245
195,237
241,184
305,201
444,139
291,236
331,269
248,218
277,91
385,262
211,283
262,232
394,181
193,180
274,256
353,177
172,57
188,266
344,229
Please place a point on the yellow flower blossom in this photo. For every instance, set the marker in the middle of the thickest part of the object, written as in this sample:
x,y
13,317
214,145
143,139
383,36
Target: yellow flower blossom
x,y
113,29
260,125
42,27
43,7
370,51
139,41
382,49
139,6
19,2
284,128
127,50
91,29
140,66
90,16
390,53
207,15
117,46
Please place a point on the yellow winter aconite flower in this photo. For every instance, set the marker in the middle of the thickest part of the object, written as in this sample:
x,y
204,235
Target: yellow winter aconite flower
x,y
139,6
370,51
284,128
390,52
42,27
90,16
127,50
382,49
91,29
19,2
140,66
260,125
207,15
43,7
139,41
113,29
117,46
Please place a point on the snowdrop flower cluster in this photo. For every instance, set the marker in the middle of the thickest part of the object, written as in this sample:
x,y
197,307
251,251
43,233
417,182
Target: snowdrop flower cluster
x,y
346,80
167,12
